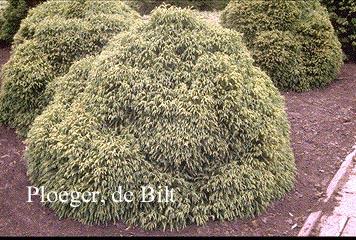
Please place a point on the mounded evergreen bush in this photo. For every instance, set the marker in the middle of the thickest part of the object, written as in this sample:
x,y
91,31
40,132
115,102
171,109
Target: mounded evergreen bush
x,y
293,41
15,11
174,102
343,17
50,40
12,12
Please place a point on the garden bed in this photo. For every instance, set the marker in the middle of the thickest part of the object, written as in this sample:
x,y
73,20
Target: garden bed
x,y
322,128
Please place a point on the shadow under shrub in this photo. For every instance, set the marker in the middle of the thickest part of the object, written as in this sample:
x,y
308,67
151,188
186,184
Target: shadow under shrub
x,y
174,102
293,41
52,37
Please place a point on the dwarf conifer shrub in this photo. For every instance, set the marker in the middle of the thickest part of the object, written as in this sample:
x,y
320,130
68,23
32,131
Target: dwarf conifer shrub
x,y
293,41
14,12
174,102
51,38
343,17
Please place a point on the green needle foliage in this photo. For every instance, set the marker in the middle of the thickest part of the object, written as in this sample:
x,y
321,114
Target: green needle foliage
x,y
3,5
293,41
15,11
343,17
52,37
174,102
146,6
2,19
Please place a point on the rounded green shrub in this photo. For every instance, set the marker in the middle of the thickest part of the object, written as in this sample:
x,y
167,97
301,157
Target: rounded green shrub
x,y
52,37
343,17
174,102
12,12
15,11
293,41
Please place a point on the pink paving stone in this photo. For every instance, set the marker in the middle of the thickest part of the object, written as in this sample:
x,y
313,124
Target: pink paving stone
x,y
350,186
350,229
333,225
347,205
342,222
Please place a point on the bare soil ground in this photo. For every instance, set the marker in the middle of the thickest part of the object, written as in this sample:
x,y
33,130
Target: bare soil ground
x,y
322,125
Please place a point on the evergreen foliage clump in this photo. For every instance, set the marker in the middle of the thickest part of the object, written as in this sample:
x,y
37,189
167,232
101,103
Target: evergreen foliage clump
x,y
174,102
2,19
293,41
15,11
3,5
12,12
52,37
343,17
146,6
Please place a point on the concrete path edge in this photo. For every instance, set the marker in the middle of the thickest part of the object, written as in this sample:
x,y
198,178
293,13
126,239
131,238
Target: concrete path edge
x,y
315,216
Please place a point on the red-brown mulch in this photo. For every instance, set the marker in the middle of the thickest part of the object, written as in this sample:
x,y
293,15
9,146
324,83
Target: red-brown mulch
x,y
323,130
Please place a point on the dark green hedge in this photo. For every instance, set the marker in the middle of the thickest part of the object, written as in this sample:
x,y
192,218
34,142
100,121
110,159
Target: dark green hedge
x,y
293,41
174,102
53,36
343,16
